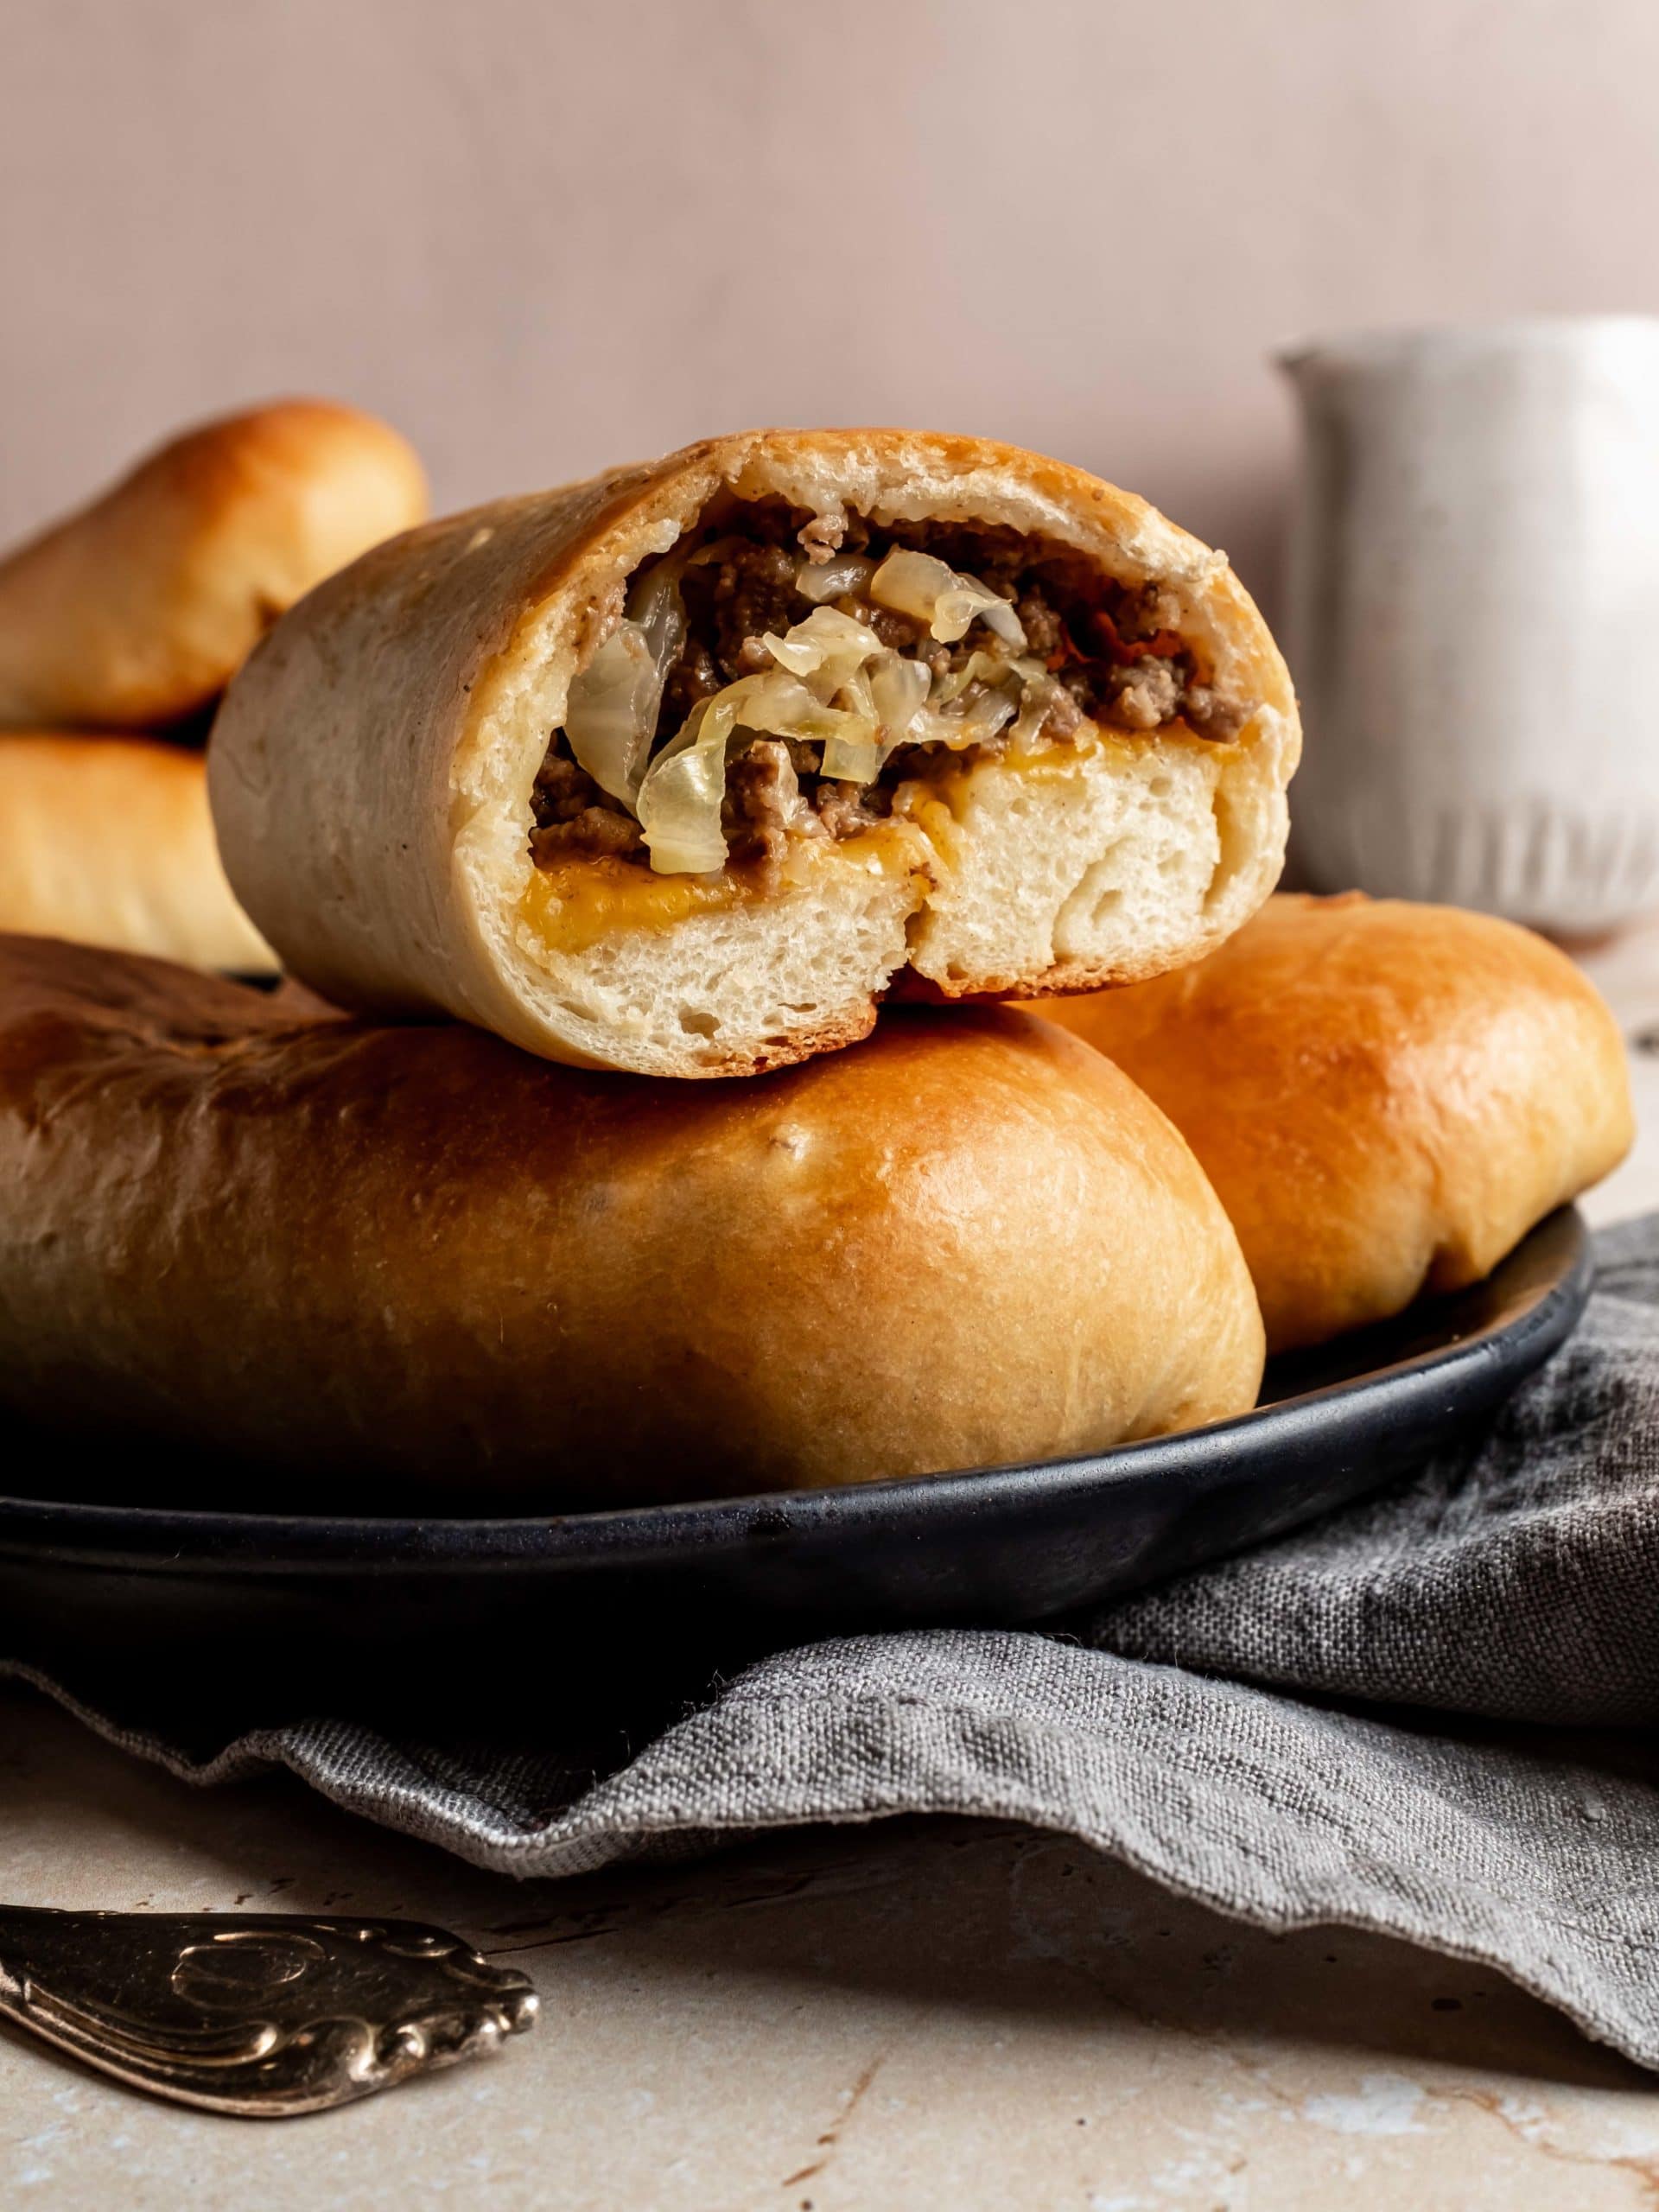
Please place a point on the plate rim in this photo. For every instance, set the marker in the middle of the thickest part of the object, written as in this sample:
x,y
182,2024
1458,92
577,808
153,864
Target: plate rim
x,y
190,1538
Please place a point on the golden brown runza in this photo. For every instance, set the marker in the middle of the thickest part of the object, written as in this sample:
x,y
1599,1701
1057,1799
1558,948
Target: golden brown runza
x,y
108,841
372,770
1386,1097
136,611
396,1264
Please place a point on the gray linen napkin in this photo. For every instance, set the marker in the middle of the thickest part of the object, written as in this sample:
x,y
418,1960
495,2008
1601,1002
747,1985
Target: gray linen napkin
x,y
1193,1731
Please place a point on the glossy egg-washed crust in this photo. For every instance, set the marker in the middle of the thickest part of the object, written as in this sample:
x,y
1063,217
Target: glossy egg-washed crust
x,y
136,611
372,764
108,841
391,1265
1386,1097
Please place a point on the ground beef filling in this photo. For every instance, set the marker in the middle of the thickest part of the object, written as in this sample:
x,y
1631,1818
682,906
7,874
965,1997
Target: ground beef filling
x,y
574,815
1114,651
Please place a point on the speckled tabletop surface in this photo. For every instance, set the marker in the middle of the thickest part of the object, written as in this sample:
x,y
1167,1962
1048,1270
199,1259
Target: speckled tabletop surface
x,y
911,2014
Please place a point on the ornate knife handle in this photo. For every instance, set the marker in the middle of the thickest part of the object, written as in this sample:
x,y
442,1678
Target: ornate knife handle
x,y
266,2015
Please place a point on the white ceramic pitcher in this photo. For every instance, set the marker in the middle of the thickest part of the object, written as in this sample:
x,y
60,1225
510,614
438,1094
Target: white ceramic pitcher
x,y
1474,617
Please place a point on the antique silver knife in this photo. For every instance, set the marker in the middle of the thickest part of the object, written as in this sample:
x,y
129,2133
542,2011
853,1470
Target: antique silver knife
x,y
265,2015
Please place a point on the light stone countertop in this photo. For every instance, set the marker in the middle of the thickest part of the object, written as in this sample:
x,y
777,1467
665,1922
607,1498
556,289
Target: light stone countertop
x,y
915,2013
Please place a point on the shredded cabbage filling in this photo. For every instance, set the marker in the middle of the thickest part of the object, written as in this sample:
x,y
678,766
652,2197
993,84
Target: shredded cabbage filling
x,y
775,680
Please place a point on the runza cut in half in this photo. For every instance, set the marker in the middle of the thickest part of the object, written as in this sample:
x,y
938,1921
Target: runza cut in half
x,y
682,769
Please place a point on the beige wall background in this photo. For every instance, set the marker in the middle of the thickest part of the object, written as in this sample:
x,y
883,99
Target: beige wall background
x,y
544,237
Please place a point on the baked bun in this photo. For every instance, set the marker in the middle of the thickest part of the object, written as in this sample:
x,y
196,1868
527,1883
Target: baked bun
x,y
396,1264
108,841
135,611
1017,733
1386,1097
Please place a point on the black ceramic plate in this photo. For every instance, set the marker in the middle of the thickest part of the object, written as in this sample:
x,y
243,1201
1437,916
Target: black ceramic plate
x,y
350,1608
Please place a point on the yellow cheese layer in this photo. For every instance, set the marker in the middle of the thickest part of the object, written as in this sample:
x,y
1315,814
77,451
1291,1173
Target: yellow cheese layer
x,y
576,904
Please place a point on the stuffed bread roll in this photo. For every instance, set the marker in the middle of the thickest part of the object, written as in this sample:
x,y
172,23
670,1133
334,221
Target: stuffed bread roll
x,y
680,770
386,1263
108,841
135,613
1386,1097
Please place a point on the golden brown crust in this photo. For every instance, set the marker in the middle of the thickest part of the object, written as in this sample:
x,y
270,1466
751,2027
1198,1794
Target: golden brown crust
x,y
1387,1097
108,841
137,610
397,1263
372,765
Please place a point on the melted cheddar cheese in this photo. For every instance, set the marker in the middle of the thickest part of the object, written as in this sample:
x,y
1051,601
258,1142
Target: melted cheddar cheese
x,y
575,904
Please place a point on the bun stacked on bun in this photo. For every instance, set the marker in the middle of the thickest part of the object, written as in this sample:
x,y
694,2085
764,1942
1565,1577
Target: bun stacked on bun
x,y
1386,1097
390,1264
131,616
681,770
681,773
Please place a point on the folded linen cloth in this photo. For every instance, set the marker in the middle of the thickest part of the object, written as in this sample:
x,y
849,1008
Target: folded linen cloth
x,y
1364,1724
